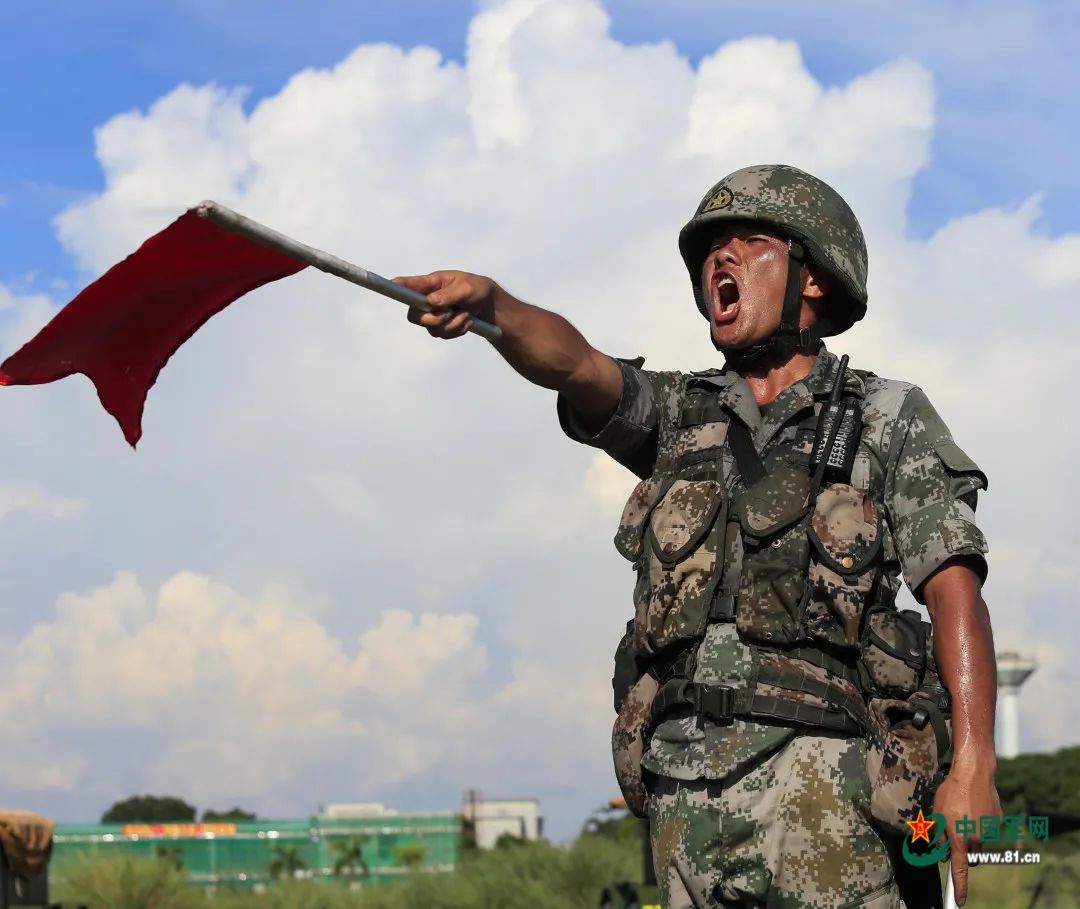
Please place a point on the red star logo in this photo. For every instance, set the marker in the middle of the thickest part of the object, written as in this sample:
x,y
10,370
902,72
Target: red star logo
x,y
920,828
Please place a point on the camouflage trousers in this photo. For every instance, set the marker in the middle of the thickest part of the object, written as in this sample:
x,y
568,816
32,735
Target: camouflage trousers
x,y
792,832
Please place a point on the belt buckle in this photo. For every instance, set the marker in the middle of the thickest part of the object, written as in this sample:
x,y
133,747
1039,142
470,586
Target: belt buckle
x,y
717,702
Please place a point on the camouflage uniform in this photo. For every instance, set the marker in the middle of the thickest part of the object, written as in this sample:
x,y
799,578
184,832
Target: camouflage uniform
x,y
791,831
767,813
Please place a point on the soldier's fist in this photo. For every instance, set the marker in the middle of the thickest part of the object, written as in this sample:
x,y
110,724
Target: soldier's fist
x,y
455,298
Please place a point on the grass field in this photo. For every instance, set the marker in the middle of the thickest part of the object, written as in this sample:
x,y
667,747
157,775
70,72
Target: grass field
x,y
526,876
1013,887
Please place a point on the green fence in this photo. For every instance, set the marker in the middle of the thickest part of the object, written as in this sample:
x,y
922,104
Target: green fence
x,y
242,854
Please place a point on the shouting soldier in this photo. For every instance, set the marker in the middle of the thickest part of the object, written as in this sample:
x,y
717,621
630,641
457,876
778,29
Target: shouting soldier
x,y
780,721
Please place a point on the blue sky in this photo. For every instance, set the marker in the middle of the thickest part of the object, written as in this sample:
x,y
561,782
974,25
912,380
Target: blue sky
x,y
266,529
1004,83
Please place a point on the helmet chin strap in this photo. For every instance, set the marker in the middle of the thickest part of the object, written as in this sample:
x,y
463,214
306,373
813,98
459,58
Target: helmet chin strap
x,y
788,337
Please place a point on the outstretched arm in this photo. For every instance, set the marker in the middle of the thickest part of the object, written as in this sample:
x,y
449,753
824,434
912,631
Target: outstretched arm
x,y
540,345
964,651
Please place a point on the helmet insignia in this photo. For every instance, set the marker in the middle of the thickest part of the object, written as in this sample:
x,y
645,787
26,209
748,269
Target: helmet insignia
x,y
722,198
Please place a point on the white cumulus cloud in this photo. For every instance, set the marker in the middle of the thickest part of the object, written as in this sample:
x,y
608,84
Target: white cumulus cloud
x,y
242,693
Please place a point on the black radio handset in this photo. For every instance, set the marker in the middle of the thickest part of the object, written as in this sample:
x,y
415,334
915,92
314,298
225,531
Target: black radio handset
x,y
837,438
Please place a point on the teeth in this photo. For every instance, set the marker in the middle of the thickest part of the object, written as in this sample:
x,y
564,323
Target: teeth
x,y
727,292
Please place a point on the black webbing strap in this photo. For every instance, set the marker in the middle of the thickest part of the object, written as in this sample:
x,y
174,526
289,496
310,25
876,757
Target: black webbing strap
x,y
722,704
746,457
722,608
849,671
792,307
800,713
715,702
836,697
793,680
672,662
937,723
701,409
944,739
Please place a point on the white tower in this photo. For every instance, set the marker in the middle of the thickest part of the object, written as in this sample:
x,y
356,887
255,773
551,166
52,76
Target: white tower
x,y
1012,672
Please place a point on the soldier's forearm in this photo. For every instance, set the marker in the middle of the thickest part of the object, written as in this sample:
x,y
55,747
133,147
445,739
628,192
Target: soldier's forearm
x,y
547,350
540,345
964,651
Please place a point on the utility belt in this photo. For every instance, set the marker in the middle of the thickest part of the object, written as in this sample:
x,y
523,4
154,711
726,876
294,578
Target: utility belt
x,y
830,650
840,710
888,696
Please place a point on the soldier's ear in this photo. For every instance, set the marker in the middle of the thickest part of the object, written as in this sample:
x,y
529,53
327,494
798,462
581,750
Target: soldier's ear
x,y
814,286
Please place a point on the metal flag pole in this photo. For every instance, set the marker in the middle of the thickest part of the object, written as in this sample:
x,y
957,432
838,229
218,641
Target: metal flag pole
x,y
323,261
950,897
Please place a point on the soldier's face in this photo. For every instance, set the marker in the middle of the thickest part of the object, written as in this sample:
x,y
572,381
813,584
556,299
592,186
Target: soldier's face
x,y
743,280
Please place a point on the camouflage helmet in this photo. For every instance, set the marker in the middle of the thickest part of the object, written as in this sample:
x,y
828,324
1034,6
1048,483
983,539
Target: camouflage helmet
x,y
804,208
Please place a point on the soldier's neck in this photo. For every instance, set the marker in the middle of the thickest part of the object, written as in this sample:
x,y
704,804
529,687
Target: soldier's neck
x,y
766,381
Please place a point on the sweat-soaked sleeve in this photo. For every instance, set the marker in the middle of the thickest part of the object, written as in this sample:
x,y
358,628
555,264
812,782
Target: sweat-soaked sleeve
x,y
630,436
931,494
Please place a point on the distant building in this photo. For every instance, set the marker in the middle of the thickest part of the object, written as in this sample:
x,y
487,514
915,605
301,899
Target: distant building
x,y
240,854
489,819
357,809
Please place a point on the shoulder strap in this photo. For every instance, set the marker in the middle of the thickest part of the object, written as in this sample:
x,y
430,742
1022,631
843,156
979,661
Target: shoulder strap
x,y
746,456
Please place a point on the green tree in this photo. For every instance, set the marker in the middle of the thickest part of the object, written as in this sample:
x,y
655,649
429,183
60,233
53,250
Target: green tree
x,y
286,860
349,858
1041,782
149,809
411,855
622,826
233,814
1047,785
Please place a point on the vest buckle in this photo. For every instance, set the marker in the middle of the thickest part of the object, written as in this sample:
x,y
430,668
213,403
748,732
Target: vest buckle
x,y
717,702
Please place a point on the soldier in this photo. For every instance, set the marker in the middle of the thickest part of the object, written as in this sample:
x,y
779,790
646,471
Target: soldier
x,y
779,719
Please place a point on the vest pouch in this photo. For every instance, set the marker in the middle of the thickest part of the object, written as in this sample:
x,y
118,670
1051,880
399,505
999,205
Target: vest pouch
x,y
776,554
679,567
907,756
845,536
628,538
634,692
896,650
686,512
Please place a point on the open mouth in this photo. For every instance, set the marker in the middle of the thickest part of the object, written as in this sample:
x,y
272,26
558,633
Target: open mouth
x,y
725,298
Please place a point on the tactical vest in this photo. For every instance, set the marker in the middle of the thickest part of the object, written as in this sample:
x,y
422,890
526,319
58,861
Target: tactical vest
x,y
812,601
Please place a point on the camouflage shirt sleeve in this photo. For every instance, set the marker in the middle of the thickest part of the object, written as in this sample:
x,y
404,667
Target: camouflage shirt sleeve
x,y
630,436
931,488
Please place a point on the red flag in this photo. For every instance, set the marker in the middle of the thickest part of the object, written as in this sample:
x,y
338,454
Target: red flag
x,y
122,329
